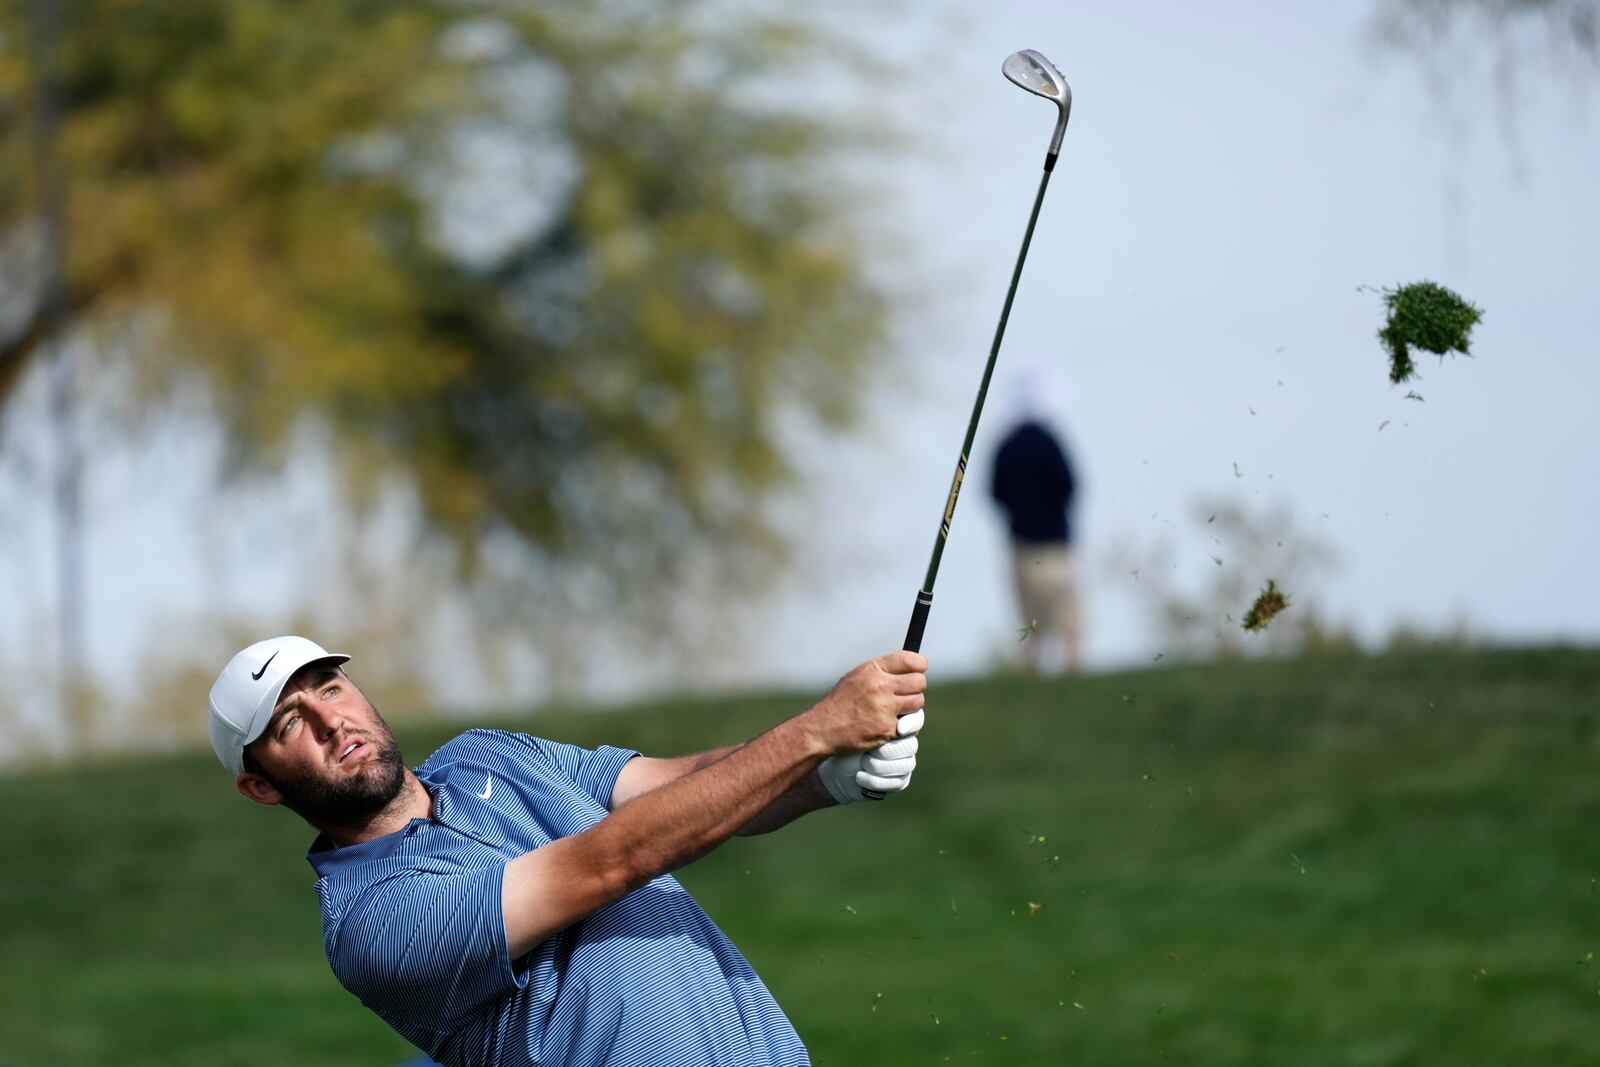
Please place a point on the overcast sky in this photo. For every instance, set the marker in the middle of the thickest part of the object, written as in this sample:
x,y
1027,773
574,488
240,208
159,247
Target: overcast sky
x,y
1191,316
1232,174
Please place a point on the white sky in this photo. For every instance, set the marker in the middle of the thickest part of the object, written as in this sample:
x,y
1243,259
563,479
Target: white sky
x,y
1232,173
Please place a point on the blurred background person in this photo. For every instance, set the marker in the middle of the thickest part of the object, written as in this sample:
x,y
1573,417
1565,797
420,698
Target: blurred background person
x,y
1033,483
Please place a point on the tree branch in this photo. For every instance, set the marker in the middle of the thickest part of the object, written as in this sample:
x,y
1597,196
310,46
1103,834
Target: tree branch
x,y
17,351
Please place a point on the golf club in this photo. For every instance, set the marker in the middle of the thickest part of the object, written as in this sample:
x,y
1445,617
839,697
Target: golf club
x,y
1039,76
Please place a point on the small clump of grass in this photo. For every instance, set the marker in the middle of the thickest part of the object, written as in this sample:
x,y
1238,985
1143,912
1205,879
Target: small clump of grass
x,y
1428,316
1268,604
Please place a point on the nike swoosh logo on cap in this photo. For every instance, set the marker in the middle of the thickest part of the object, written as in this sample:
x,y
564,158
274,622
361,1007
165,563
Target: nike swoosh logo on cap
x,y
488,787
255,676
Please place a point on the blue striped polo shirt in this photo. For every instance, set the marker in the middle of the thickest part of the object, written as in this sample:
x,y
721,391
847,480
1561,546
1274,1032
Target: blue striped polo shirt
x,y
411,924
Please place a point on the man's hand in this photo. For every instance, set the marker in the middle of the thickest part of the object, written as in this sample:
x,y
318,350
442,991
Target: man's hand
x,y
864,709
886,769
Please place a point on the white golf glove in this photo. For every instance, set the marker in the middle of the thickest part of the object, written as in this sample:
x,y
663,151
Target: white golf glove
x,y
886,769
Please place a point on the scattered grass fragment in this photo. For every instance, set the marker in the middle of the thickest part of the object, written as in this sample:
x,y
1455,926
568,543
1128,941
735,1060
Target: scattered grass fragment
x,y
1428,316
1267,605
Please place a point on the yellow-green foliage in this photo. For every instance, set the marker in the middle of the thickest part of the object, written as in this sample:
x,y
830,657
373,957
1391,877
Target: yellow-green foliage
x,y
706,259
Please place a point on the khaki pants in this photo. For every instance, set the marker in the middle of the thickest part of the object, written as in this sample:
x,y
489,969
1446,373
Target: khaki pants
x,y
1047,590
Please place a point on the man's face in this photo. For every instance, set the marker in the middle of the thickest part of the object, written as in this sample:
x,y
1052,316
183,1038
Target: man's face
x,y
326,754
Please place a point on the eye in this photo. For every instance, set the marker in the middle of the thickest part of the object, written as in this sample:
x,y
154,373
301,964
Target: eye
x,y
329,691
289,722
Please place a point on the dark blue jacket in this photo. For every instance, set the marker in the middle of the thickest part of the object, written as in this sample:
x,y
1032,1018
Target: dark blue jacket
x,y
1033,483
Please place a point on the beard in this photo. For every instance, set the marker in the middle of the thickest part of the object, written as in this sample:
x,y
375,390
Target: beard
x,y
350,799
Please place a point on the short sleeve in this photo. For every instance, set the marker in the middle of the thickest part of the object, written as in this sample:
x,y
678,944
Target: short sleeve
x,y
427,947
593,770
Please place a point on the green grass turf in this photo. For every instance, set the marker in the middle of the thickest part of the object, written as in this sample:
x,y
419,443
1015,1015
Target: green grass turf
x,y
1350,861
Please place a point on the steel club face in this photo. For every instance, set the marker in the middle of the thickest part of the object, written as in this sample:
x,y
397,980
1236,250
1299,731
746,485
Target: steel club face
x,y
1040,77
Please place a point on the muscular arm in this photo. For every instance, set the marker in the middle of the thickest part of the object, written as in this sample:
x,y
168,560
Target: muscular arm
x,y
643,774
658,830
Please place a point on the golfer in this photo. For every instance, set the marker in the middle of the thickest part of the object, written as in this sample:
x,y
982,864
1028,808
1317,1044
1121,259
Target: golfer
x,y
508,901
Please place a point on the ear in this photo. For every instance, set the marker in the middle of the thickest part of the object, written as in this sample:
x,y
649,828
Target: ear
x,y
258,788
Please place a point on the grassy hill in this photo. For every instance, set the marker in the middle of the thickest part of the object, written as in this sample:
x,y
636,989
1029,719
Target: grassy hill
x,y
1390,860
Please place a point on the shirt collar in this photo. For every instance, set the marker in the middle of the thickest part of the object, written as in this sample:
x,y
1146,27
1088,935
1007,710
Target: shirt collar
x,y
448,811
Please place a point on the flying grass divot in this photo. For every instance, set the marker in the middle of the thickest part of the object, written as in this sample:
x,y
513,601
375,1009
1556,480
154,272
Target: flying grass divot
x,y
1428,316
1267,605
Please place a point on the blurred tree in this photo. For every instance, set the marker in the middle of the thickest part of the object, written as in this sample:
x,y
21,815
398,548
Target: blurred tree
x,y
1201,618
562,267
1452,37
1569,25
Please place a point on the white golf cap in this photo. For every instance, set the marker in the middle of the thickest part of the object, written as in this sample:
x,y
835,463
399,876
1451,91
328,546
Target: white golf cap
x,y
244,694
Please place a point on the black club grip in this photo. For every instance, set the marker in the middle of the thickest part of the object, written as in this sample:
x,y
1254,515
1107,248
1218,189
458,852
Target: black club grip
x,y
919,623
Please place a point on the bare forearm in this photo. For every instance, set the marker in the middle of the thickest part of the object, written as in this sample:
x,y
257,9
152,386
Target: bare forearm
x,y
805,796
727,791
657,831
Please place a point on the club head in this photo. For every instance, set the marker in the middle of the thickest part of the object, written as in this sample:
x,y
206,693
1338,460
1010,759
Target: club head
x,y
1040,77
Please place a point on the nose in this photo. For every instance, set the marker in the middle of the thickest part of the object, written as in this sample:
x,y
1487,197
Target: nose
x,y
327,718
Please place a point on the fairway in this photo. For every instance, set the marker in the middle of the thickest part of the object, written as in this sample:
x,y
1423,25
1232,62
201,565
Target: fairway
x,y
1340,860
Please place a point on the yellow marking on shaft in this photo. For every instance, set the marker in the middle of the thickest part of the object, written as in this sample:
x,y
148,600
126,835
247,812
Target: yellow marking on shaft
x,y
955,489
